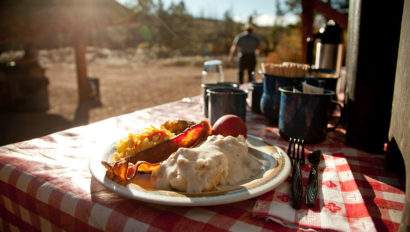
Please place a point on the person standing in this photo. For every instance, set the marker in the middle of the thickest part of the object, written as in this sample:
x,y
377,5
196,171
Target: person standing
x,y
247,45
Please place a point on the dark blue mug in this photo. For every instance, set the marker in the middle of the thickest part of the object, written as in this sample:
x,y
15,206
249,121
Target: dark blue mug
x,y
323,82
270,100
226,100
305,115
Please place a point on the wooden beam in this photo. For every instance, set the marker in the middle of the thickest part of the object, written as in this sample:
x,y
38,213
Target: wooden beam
x,y
83,83
399,124
331,13
308,9
307,24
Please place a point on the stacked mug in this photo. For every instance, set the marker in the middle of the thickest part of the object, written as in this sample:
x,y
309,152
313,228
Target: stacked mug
x,y
298,114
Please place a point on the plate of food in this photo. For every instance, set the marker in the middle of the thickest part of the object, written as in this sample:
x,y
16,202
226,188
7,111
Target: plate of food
x,y
188,165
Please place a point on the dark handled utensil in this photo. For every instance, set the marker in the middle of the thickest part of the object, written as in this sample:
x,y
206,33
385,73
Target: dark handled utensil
x,y
296,153
312,185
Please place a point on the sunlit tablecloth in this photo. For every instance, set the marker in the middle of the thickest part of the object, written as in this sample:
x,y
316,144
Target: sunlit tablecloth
x,y
45,183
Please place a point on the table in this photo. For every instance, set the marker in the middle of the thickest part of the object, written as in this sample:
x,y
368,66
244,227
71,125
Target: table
x,y
45,183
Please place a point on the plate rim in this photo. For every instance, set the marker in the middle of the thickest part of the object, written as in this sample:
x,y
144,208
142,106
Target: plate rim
x,y
161,197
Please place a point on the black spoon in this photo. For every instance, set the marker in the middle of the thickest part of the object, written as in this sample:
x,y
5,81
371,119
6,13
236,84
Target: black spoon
x,y
312,185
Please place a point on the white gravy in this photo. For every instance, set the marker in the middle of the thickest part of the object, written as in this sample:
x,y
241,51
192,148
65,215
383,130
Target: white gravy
x,y
219,160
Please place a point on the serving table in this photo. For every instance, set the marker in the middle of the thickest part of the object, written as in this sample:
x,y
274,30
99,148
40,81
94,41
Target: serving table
x,y
45,183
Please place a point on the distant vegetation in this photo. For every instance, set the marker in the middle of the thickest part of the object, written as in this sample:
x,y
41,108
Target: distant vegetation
x,y
173,31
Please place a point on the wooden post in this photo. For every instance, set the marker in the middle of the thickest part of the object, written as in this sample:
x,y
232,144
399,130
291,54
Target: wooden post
x,y
370,72
400,126
307,24
83,84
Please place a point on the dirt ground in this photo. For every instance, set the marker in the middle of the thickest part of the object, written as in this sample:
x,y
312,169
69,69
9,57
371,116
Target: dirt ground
x,y
123,89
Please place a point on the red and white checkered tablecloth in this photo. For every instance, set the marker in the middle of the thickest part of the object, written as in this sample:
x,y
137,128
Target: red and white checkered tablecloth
x,y
339,205
45,183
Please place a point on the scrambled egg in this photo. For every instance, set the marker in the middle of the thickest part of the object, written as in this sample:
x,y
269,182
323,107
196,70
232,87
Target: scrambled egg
x,y
134,143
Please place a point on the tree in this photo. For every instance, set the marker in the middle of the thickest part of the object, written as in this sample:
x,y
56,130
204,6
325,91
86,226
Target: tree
x,y
179,23
276,32
228,32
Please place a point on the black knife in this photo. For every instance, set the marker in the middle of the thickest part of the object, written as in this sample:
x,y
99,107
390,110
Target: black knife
x,y
312,185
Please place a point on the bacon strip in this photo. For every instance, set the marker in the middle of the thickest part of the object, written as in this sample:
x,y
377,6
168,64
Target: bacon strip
x,y
154,155
140,166
126,171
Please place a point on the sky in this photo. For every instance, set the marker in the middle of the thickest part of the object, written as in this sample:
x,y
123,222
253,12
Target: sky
x,y
240,9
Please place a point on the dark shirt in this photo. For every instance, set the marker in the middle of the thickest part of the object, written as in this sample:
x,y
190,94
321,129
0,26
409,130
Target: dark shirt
x,y
247,43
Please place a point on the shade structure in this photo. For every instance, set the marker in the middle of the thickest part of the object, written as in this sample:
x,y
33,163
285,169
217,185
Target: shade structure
x,y
25,20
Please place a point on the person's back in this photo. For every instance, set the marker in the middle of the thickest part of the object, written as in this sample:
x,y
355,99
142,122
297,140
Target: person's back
x,y
247,44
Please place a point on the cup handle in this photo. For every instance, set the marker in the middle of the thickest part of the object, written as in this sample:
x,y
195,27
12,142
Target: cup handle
x,y
341,112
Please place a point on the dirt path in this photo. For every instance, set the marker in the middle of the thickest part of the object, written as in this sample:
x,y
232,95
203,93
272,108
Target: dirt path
x,y
123,90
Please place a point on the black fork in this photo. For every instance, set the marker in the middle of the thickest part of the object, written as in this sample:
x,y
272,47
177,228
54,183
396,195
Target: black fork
x,y
296,153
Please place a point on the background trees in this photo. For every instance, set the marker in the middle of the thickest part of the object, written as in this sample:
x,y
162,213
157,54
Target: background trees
x,y
173,31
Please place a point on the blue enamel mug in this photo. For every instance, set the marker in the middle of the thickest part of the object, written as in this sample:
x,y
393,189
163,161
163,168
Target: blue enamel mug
x,y
270,100
305,115
326,83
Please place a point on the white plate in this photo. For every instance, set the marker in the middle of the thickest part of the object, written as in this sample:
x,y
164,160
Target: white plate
x,y
275,169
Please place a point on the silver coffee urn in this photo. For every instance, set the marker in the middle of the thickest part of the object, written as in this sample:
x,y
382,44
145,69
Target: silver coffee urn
x,y
328,48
